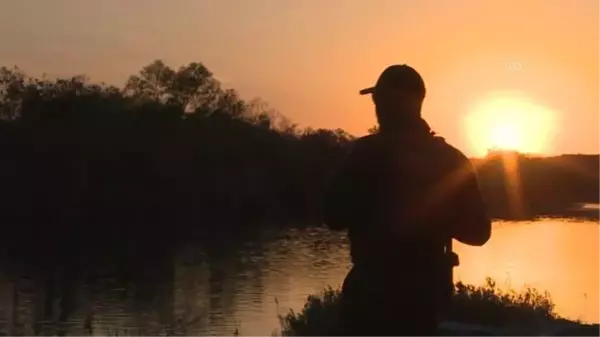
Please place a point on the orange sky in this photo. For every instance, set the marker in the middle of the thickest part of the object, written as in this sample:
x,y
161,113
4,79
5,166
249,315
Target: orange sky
x,y
309,58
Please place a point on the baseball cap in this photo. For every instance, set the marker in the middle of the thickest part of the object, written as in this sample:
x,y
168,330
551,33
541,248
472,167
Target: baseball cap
x,y
398,76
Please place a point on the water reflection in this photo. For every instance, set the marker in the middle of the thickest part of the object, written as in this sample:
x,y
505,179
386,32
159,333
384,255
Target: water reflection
x,y
560,256
220,286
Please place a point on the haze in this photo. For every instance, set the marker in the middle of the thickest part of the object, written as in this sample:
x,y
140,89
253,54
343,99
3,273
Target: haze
x,y
309,58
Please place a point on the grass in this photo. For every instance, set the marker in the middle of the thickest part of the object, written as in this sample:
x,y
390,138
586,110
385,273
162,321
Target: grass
x,y
525,312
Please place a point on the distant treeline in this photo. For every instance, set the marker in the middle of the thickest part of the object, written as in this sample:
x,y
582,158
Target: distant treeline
x,y
520,186
174,148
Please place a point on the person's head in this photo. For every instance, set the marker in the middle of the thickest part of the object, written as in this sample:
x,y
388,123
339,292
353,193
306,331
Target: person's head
x,y
398,97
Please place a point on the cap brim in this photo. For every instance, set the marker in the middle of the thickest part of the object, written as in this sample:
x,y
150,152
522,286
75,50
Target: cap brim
x,y
367,91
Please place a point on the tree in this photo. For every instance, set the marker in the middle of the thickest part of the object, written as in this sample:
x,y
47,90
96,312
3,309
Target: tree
x,y
191,87
12,87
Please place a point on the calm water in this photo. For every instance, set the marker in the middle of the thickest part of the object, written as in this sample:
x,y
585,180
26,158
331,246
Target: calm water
x,y
244,285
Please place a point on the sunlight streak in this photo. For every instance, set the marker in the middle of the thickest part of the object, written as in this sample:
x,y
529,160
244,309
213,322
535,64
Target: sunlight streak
x,y
514,191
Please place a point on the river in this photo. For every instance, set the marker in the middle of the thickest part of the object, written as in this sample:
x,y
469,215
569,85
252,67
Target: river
x,y
243,285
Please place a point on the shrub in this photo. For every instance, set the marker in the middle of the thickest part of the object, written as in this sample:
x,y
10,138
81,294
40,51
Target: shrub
x,y
490,305
528,310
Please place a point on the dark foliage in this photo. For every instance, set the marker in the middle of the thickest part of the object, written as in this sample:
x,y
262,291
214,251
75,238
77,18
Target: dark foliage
x,y
528,312
174,149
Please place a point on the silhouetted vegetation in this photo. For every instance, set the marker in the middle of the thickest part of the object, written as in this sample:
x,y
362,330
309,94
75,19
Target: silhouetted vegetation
x,y
529,312
174,148
94,172
98,175
543,185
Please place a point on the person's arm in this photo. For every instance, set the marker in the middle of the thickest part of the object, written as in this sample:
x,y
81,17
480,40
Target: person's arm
x,y
471,224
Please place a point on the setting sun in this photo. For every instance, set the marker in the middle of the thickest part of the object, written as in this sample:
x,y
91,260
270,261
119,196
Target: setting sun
x,y
509,122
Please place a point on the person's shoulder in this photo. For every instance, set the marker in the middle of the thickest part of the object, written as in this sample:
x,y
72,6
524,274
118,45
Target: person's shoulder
x,y
449,150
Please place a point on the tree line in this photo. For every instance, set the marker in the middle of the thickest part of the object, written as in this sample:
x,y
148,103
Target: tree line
x,y
173,147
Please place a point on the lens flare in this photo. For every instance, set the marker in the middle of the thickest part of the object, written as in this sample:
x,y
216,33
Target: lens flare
x,y
509,121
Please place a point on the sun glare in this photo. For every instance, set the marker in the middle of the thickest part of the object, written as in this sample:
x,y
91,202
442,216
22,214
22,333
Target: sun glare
x,y
509,122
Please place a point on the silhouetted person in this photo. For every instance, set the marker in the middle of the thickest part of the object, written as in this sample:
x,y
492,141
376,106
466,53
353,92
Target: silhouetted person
x,y
403,195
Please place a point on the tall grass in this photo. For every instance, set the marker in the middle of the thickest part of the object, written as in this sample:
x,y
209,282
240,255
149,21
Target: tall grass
x,y
528,311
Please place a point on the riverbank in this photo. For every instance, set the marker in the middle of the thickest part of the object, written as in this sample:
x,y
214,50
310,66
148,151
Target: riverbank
x,y
474,310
